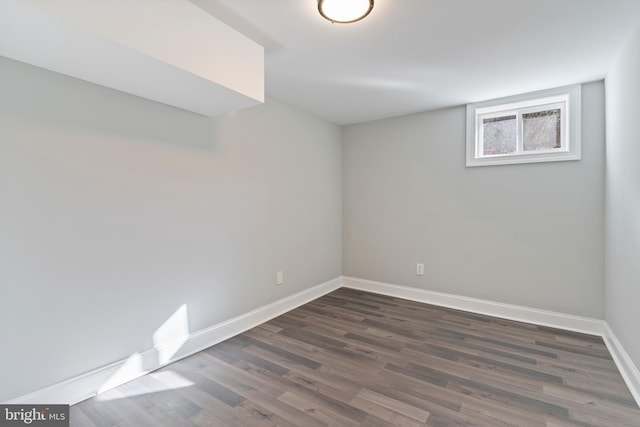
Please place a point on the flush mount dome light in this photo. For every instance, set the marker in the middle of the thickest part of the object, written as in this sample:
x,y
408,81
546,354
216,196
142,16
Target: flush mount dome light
x,y
344,11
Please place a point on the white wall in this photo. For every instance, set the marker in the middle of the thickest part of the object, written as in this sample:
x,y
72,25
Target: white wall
x,y
623,198
115,211
527,234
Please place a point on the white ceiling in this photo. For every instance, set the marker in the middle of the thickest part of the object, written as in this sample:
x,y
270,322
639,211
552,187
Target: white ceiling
x,y
417,55
169,51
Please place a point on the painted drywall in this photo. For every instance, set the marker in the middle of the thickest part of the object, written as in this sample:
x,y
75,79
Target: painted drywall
x,y
119,215
529,234
623,197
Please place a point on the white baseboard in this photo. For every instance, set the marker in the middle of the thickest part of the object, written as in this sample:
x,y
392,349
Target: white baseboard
x,y
89,384
627,368
585,325
505,311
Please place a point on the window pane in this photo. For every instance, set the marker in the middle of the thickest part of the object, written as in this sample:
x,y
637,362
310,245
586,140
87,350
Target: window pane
x,y
541,130
499,135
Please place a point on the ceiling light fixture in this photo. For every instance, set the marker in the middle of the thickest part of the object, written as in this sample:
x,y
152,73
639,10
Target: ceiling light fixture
x,y
344,11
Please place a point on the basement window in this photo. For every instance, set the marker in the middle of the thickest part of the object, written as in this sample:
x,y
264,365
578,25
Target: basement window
x,y
537,127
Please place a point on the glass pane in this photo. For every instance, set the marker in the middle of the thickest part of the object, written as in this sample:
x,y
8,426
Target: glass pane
x,y
499,135
541,130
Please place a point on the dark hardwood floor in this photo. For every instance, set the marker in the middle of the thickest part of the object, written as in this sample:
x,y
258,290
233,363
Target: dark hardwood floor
x,y
353,358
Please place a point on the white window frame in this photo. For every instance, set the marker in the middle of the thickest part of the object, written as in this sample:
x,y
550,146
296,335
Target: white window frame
x,y
567,99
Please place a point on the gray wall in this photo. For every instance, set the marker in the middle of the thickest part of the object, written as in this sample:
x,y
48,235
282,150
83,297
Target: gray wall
x,y
115,211
527,234
623,198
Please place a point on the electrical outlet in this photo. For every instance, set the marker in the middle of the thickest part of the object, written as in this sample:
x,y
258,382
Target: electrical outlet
x,y
279,278
420,269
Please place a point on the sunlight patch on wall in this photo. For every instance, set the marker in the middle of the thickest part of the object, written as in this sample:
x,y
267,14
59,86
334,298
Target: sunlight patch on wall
x,y
167,340
173,333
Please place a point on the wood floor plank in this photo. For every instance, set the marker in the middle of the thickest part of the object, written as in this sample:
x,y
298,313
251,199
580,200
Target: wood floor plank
x,y
79,417
353,358
385,414
319,409
394,405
